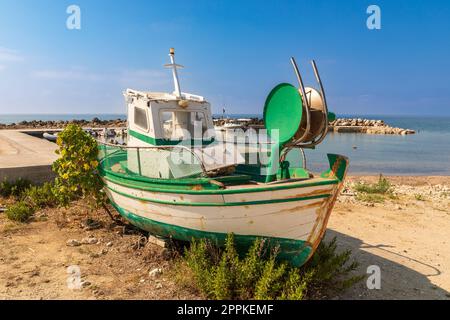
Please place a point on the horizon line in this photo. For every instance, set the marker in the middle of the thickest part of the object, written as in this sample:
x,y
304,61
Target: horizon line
x,y
215,114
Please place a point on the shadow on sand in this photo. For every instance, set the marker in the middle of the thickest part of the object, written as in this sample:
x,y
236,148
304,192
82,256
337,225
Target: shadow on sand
x,y
398,279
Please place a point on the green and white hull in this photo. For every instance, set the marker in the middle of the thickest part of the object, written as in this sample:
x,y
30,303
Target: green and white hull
x,y
291,214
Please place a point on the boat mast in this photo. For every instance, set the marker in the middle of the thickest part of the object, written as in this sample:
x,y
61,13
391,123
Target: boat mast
x,y
174,67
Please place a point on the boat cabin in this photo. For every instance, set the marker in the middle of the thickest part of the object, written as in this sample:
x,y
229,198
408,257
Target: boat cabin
x,y
159,119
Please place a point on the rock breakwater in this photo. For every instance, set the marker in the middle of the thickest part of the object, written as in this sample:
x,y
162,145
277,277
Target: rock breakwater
x,y
358,125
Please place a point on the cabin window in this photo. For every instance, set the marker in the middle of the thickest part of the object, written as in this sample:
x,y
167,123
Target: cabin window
x,y
181,125
198,120
167,124
140,118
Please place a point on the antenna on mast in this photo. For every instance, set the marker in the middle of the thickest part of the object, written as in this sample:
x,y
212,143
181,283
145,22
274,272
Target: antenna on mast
x,y
174,67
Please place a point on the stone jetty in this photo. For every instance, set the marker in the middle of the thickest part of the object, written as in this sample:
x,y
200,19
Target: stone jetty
x,y
357,125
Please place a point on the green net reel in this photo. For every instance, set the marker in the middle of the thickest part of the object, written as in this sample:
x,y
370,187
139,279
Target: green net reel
x,y
295,117
285,114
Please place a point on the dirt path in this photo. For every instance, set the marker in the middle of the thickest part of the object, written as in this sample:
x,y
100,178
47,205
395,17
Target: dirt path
x,y
407,238
35,260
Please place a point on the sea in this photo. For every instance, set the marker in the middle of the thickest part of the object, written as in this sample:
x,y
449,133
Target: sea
x,y
425,153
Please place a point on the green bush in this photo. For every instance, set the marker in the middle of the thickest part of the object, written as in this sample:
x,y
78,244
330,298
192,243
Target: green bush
x,y
224,274
76,167
383,186
370,197
374,192
39,197
19,212
14,189
420,197
31,199
331,271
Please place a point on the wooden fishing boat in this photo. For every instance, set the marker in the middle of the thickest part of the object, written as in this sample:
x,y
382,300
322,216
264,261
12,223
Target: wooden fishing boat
x,y
172,185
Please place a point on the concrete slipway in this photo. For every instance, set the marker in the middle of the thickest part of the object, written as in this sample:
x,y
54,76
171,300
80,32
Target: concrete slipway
x,y
26,157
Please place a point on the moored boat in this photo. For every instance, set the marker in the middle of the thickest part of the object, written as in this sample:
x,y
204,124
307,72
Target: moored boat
x,y
174,179
50,136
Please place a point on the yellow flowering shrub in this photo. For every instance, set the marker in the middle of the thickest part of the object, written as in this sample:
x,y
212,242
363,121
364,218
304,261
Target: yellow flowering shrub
x,y
76,167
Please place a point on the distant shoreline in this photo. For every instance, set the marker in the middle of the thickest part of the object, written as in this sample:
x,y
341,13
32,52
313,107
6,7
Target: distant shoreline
x,y
60,124
395,120
340,125
424,154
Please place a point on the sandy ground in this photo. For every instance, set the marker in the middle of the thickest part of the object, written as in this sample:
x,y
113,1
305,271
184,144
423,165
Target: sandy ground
x,y
36,261
407,237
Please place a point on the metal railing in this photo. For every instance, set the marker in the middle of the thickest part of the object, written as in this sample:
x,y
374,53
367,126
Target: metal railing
x,y
121,148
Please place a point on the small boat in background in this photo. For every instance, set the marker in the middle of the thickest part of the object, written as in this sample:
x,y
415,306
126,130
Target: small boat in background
x,y
50,136
230,124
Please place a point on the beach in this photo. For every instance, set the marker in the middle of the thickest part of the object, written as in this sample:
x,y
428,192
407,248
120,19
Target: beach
x,y
406,236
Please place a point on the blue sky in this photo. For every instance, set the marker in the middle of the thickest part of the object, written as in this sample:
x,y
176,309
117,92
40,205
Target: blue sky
x,y
234,51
